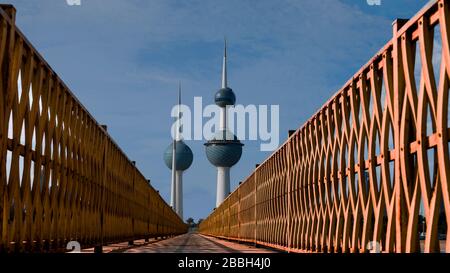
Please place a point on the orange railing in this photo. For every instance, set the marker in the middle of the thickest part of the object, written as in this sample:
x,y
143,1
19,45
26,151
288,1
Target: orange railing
x,y
62,176
370,168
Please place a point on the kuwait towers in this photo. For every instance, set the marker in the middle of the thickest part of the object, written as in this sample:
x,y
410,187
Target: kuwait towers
x,y
178,157
224,150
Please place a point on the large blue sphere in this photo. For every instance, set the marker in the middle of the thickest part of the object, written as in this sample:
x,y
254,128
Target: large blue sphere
x,y
184,156
224,97
224,150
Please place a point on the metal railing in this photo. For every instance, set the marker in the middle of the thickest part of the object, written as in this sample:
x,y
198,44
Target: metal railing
x,y
62,176
370,168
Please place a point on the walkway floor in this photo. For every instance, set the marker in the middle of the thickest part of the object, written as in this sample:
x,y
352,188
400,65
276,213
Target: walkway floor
x,y
196,243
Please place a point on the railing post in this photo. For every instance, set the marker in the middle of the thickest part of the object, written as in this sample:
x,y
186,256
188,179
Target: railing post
x,y
239,211
288,195
148,213
256,205
3,153
99,247
10,10
443,135
133,205
399,87
229,218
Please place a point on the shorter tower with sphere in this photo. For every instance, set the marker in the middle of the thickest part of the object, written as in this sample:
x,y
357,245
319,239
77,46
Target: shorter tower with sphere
x,y
178,158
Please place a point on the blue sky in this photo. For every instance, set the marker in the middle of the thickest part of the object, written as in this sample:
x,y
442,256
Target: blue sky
x,y
124,59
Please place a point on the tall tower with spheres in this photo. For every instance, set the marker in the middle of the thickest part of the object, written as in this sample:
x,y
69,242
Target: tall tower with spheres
x,y
224,150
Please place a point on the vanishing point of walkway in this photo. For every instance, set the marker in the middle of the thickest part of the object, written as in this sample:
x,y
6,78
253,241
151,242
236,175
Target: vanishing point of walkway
x,y
196,243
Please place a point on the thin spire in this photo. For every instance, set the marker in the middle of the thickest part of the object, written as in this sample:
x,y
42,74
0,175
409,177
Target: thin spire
x,y
179,93
173,195
178,137
224,65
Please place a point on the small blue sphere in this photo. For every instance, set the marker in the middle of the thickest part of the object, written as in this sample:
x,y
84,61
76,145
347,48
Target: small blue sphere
x,y
184,156
225,96
224,149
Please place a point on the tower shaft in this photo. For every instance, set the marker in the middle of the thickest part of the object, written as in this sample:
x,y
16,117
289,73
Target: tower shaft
x,y
223,118
223,184
223,173
179,193
173,201
175,197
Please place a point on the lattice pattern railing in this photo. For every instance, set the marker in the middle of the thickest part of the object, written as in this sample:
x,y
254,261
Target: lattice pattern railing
x,y
62,177
368,165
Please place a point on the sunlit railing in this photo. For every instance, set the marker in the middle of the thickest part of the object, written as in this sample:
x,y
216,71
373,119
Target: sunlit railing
x,y
62,176
370,170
